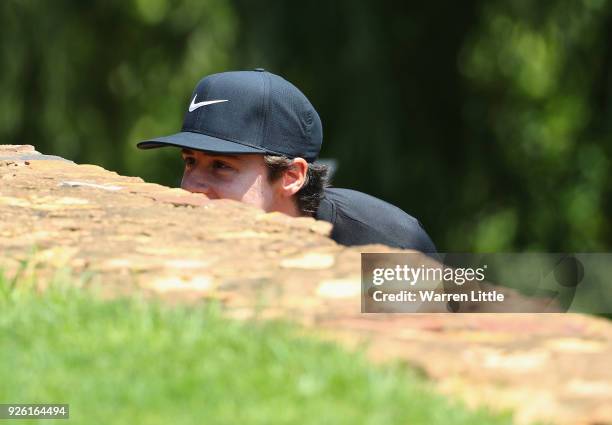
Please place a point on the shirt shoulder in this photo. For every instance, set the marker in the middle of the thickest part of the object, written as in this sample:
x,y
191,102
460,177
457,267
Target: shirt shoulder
x,y
360,219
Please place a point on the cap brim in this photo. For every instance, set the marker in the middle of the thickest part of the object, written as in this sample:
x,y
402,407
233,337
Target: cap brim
x,y
198,141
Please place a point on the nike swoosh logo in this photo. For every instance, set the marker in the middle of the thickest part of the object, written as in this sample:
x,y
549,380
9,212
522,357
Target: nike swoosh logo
x,y
195,105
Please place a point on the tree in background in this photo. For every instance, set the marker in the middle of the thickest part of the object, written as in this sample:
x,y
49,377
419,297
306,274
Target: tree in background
x,y
488,120
539,84
88,79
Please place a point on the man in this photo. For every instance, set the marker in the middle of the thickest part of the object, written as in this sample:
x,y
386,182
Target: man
x,y
252,136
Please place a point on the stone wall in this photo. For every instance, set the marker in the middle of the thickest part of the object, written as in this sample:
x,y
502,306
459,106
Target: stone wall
x,y
124,235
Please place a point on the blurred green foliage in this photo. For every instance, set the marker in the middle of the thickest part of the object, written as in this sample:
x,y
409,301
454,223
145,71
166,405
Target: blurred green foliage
x,y
487,120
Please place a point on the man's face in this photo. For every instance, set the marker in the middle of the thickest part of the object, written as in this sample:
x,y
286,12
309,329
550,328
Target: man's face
x,y
239,177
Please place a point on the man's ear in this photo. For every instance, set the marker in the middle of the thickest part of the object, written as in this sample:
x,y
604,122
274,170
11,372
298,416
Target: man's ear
x,y
294,177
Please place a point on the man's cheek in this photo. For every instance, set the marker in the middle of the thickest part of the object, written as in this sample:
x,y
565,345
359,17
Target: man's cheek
x,y
229,190
256,197
252,198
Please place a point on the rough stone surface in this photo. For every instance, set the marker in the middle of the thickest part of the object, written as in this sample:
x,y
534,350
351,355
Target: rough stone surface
x,y
127,235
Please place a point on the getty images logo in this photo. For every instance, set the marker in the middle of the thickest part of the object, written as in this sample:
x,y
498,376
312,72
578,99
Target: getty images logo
x,y
412,275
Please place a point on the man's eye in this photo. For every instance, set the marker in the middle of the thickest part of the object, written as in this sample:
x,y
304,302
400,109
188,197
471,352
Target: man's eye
x,y
218,165
189,161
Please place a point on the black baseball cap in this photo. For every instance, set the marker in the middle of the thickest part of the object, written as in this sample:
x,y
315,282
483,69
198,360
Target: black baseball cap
x,y
248,112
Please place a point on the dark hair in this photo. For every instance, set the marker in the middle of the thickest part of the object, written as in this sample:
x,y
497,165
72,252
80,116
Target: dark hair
x,y
309,196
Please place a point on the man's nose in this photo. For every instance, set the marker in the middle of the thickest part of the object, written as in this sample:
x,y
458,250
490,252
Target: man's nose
x,y
191,185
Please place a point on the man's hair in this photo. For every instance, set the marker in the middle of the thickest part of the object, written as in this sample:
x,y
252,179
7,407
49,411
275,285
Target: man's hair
x,y
309,196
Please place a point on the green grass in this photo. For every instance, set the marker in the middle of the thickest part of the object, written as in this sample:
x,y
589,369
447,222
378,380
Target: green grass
x,y
134,362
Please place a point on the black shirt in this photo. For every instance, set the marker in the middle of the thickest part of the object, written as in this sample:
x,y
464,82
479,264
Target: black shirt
x,y
361,219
